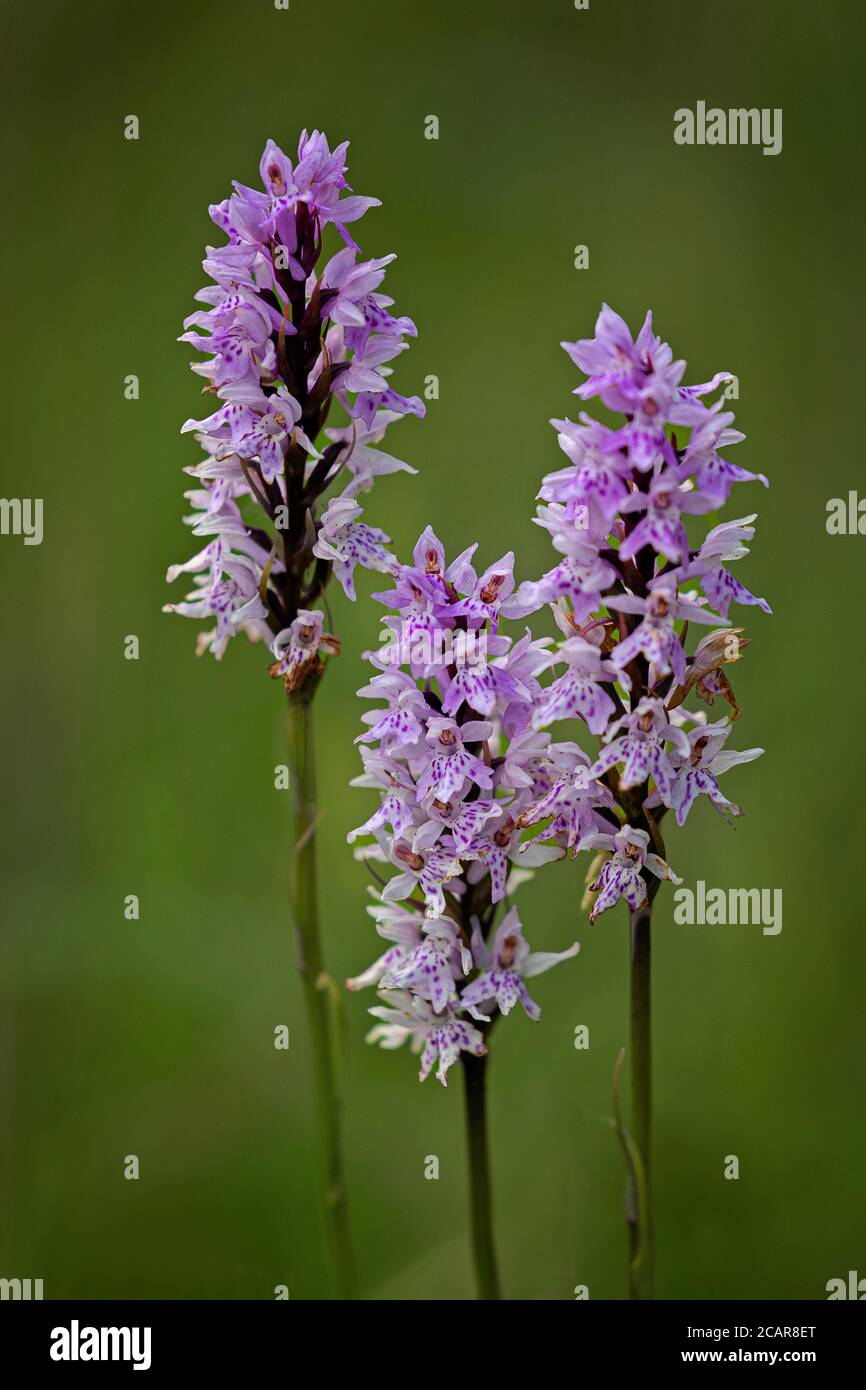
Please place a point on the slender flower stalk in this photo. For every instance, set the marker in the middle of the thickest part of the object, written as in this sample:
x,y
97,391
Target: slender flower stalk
x,y
293,341
481,1191
318,998
641,1252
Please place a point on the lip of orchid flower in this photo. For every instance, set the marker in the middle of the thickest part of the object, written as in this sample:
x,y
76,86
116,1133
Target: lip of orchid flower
x,y
723,544
697,773
429,970
579,691
504,968
408,1018
452,765
655,637
621,876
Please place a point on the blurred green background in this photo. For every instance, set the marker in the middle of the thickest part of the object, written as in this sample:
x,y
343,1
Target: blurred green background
x,y
156,777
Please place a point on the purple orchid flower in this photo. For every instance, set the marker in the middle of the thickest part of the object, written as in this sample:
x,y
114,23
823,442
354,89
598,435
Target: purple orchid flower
x,y
655,637
504,968
436,1036
579,691
620,876
641,749
723,543
452,764
348,542
697,774
430,968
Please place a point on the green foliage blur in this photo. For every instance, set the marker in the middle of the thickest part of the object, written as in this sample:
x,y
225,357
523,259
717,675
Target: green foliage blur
x,y
155,1037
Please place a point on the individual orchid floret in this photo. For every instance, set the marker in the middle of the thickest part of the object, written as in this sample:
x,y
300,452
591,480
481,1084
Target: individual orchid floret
x,y
428,580
429,970
581,581
575,529
598,476
641,749
504,968
661,528
697,773
445,1040
466,821
301,647
621,875
571,803
397,807
404,721
274,425
485,595
524,760
444,1036
723,544
227,590
452,765
579,692
347,542
360,458
613,362
483,677
428,560
501,845
655,637
527,658
427,862
239,334
714,476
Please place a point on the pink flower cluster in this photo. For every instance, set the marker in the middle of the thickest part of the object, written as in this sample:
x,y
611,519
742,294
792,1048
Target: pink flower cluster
x,y
288,337
473,789
452,753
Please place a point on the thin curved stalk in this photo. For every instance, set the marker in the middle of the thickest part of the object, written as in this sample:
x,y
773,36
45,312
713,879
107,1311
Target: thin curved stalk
x,y
480,1187
639,1208
303,899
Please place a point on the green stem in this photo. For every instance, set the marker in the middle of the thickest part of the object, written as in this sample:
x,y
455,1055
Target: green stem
x,y
303,900
480,1190
640,1208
